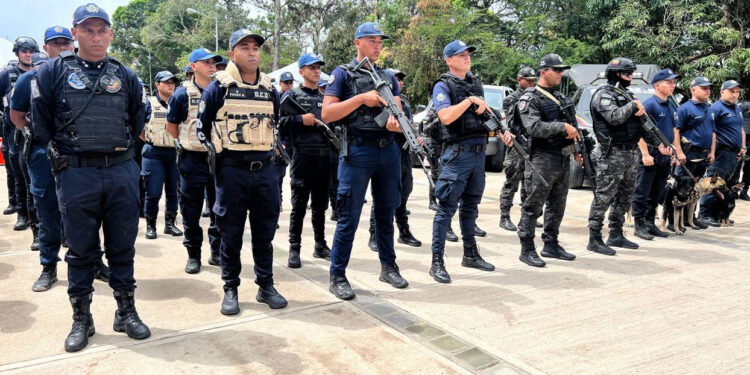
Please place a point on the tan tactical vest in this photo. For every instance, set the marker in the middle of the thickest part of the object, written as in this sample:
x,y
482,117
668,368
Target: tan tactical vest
x,y
156,129
246,121
188,132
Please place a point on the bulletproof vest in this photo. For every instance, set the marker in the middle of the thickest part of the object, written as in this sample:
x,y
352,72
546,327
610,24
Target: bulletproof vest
x,y
469,124
156,129
246,121
96,120
188,132
509,107
308,135
362,118
550,111
627,133
13,74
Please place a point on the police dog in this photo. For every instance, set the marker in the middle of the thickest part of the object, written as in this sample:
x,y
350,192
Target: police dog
x,y
682,196
724,203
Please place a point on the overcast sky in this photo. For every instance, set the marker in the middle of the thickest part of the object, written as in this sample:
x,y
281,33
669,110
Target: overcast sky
x,y
32,17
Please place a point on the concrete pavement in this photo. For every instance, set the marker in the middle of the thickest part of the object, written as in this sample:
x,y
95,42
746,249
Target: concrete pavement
x,y
676,305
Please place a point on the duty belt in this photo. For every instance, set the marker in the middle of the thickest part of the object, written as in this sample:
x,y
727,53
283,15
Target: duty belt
x,y
244,164
459,147
624,146
99,161
378,142
721,146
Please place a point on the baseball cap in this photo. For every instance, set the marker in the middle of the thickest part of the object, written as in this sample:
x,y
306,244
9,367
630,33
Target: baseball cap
x,y
730,84
456,47
309,59
369,29
663,75
240,34
201,54
87,11
55,32
700,81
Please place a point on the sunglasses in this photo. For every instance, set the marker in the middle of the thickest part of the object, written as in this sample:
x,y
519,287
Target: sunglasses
x,y
627,74
558,70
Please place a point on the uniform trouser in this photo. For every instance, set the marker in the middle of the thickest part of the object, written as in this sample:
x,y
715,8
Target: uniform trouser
x,y
10,180
139,160
159,171
239,190
650,185
407,185
287,142
195,184
334,185
24,163
365,163
19,179
553,198
91,198
744,171
615,183
42,187
437,151
461,178
514,167
310,180
723,166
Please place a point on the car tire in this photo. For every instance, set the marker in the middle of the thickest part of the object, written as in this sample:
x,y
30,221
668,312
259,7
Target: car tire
x,y
494,163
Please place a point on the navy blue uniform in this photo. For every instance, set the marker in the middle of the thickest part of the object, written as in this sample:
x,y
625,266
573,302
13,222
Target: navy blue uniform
x,y
195,180
159,171
373,156
651,181
42,182
11,146
728,122
696,125
99,186
245,181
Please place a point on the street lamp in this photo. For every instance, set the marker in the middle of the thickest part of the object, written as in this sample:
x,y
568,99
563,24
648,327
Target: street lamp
x,y
216,24
150,76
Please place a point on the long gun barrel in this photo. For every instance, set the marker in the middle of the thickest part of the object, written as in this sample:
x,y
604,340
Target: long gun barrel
x,y
292,107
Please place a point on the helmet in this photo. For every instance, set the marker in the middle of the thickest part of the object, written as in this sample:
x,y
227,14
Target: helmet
x,y
24,42
620,64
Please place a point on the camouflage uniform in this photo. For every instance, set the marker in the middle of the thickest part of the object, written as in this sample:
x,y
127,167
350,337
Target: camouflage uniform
x,y
513,165
615,184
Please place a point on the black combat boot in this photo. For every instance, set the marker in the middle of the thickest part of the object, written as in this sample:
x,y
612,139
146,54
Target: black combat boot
x,y
46,279
126,318
554,250
743,195
711,221
83,324
35,241
506,224
230,305
340,287
472,259
334,215
437,269
390,274
269,295
597,245
529,255
193,265
169,227
101,271
294,261
373,242
642,229
478,231
617,239
433,204
654,230
539,225
450,236
698,223
22,222
150,227
214,260
10,210
406,237
322,251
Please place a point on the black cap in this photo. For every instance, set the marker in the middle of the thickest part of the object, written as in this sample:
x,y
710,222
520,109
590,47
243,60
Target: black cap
x,y
730,84
552,60
527,73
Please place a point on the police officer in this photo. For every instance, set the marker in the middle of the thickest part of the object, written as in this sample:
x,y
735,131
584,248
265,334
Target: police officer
x,y
618,130
322,85
91,108
286,83
730,143
746,166
195,179
56,39
653,167
159,169
242,105
513,164
372,155
547,117
696,125
457,97
23,47
222,64
139,143
407,181
310,169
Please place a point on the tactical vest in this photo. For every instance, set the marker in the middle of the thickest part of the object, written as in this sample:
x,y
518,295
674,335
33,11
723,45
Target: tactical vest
x,y
13,75
509,107
363,118
627,133
550,111
156,129
308,136
246,121
188,132
469,125
97,117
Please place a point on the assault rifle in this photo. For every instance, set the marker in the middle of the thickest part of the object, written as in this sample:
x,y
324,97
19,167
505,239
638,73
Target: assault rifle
x,y
292,107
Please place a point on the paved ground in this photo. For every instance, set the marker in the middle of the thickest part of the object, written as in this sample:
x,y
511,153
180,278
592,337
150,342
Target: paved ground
x,y
675,306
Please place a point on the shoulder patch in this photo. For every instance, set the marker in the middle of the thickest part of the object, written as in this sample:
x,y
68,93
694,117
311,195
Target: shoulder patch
x,y
440,97
522,104
331,78
605,102
202,106
35,90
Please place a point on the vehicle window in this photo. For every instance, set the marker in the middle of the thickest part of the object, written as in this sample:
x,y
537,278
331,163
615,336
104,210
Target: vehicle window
x,y
494,98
